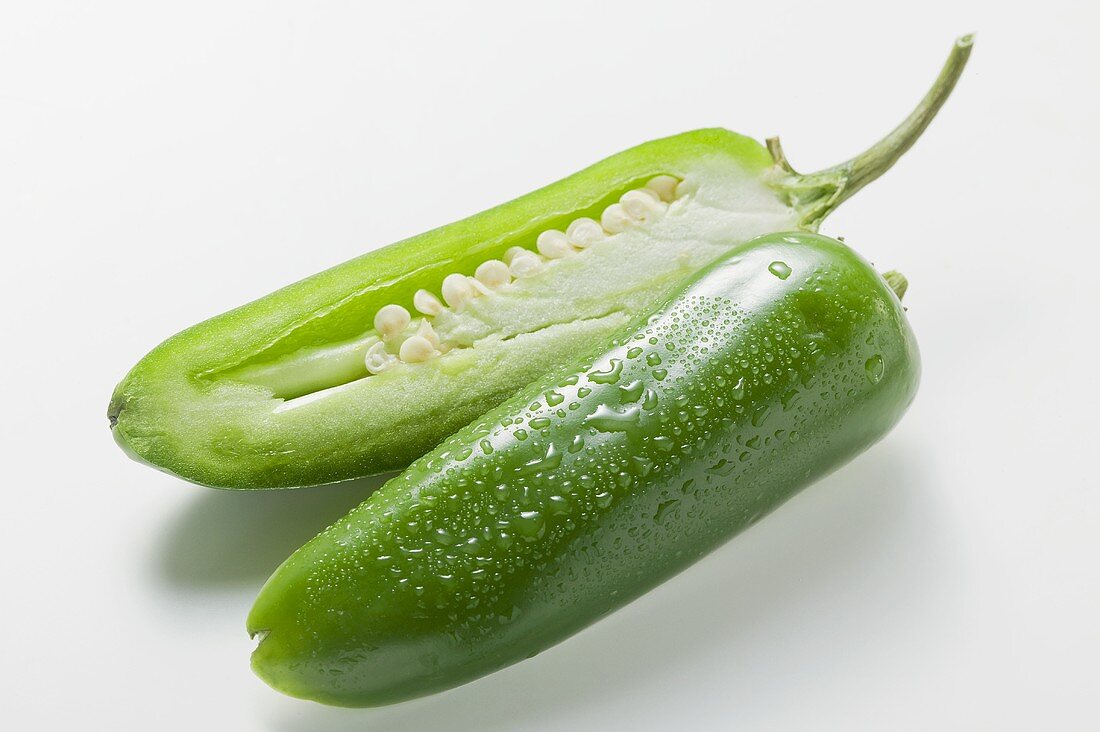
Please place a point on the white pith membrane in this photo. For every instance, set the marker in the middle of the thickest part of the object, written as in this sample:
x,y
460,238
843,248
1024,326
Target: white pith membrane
x,y
656,234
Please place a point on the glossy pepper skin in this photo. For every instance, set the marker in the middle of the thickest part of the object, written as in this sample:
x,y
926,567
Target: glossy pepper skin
x,y
211,404
769,369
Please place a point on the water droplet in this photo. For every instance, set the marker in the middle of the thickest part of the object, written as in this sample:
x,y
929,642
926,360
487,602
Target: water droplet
x,y
559,505
875,367
530,525
663,443
660,374
520,435
632,391
722,468
539,423
603,499
550,461
486,447
780,269
607,419
583,392
642,466
634,352
610,376
554,398
664,509
760,415
577,444
653,359
738,391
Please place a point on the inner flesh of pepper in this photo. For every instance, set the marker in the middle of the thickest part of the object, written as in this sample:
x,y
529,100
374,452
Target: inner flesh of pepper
x,y
549,276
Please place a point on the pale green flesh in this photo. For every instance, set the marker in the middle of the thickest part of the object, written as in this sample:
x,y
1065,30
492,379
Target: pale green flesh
x,y
592,291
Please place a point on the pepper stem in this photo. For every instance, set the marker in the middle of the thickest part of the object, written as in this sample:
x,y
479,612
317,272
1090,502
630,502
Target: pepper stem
x,y
897,281
816,195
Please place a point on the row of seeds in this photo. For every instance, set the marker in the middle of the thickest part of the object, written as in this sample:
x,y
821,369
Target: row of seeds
x,y
641,205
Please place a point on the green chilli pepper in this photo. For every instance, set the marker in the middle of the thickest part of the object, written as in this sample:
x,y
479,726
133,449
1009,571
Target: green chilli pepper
x,y
767,370
334,378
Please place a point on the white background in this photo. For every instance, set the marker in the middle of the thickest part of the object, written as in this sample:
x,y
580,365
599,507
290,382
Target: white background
x,y
163,162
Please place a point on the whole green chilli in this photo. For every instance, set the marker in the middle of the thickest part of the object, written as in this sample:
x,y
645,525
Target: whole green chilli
x,y
767,370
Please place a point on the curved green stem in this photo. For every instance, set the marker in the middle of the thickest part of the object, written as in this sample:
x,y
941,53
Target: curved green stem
x,y
897,282
816,195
